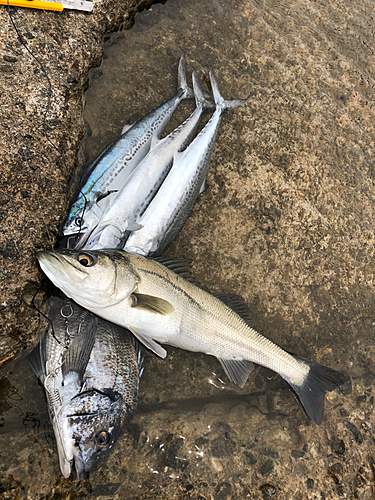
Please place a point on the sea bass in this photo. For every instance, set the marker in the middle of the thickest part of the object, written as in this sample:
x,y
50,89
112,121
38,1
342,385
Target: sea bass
x,y
168,211
90,371
117,162
126,206
158,305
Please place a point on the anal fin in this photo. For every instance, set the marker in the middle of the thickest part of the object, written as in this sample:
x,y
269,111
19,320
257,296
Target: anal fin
x,y
236,370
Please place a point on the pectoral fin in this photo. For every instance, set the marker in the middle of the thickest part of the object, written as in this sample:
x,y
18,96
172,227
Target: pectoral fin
x,y
36,359
149,343
237,370
152,304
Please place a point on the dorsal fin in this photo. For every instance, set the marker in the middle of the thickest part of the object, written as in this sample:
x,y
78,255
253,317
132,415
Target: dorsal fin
x,y
238,305
182,267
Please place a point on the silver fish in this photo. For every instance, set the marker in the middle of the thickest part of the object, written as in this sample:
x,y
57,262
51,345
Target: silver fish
x,y
118,161
168,211
158,305
132,199
90,371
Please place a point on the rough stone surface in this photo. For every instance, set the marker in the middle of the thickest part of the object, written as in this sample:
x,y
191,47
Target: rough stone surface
x,y
287,222
41,87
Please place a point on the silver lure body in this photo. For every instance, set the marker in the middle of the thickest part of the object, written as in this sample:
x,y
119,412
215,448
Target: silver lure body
x,y
128,205
90,371
169,209
118,162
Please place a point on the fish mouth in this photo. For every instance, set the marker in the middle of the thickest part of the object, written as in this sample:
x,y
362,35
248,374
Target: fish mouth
x,y
65,467
60,270
75,241
137,249
77,462
69,454
65,458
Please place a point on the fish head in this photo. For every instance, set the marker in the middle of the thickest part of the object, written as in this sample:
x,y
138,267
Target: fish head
x,y
96,279
87,427
75,221
82,220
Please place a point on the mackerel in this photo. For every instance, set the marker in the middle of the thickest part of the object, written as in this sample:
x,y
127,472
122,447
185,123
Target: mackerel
x,y
125,207
168,211
118,162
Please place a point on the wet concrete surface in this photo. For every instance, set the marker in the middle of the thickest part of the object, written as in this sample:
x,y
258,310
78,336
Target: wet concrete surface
x,y
287,222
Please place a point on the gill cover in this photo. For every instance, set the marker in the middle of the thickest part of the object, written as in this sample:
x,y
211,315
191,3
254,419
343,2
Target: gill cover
x,y
110,275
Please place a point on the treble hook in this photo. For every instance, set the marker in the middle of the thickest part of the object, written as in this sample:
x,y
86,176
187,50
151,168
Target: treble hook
x,y
72,335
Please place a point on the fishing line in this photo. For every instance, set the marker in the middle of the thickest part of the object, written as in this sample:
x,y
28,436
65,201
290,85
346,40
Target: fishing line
x,y
44,124
44,280
48,107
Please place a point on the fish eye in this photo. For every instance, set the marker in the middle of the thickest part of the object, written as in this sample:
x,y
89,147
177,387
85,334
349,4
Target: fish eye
x,y
85,260
78,222
102,438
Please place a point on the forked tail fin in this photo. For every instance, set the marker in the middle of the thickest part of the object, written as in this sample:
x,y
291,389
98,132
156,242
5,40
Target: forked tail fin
x,y
182,79
200,99
219,100
319,380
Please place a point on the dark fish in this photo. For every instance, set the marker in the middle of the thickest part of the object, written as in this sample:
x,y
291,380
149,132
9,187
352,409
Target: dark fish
x,y
90,371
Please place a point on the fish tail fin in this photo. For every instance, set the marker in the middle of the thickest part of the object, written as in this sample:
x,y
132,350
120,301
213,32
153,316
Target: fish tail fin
x,y
319,380
219,100
200,100
182,79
